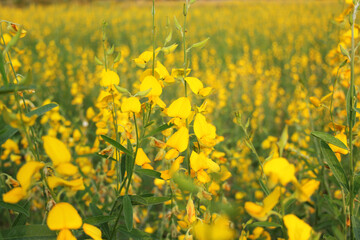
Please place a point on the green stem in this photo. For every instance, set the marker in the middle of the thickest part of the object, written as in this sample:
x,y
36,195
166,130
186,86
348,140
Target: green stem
x,y
116,222
185,11
350,133
153,35
136,150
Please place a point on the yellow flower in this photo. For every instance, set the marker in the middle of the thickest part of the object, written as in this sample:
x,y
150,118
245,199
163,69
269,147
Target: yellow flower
x,y
262,212
26,173
109,78
297,228
279,170
14,195
181,108
56,150
75,185
202,176
141,158
63,216
197,86
150,82
205,132
59,155
24,176
190,211
200,161
179,140
145,57
218,230
131,104
92,231
305,189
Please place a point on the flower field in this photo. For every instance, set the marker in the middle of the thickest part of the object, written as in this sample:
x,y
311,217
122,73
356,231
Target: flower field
x,y
180,120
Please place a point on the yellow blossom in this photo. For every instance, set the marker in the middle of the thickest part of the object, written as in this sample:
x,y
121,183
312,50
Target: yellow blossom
x,y
279,170
179,140
181,108
150,82
92,231
131,104
63,216
109,78
141,158
297,228
262,212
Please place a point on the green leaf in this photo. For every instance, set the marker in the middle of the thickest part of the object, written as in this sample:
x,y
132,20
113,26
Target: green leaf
x,y
41,110
135,234
118,57
122,90
356,227
12,88
168,38
198,44
356,183
28,232
143,93
328,138
6,133
177,24
334,165
146,199
98,61
149,173
27,79
13,40
185,183
329,237
344,51
2,70
110,50
283,140
128,212
97,220
265,224
21,219
264,187
116,144
159,129
15,207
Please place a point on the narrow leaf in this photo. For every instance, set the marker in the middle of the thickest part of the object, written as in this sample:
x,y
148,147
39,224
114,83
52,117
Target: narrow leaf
x,y
143,93
159,129
98,61
198,44
135,234
356,227
265,224
6,133
177,24
2,70
128,212
149,173
97,220
116,144
15,207
122,90
28,232
334,165
283,140
41,110
13,88
328,138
